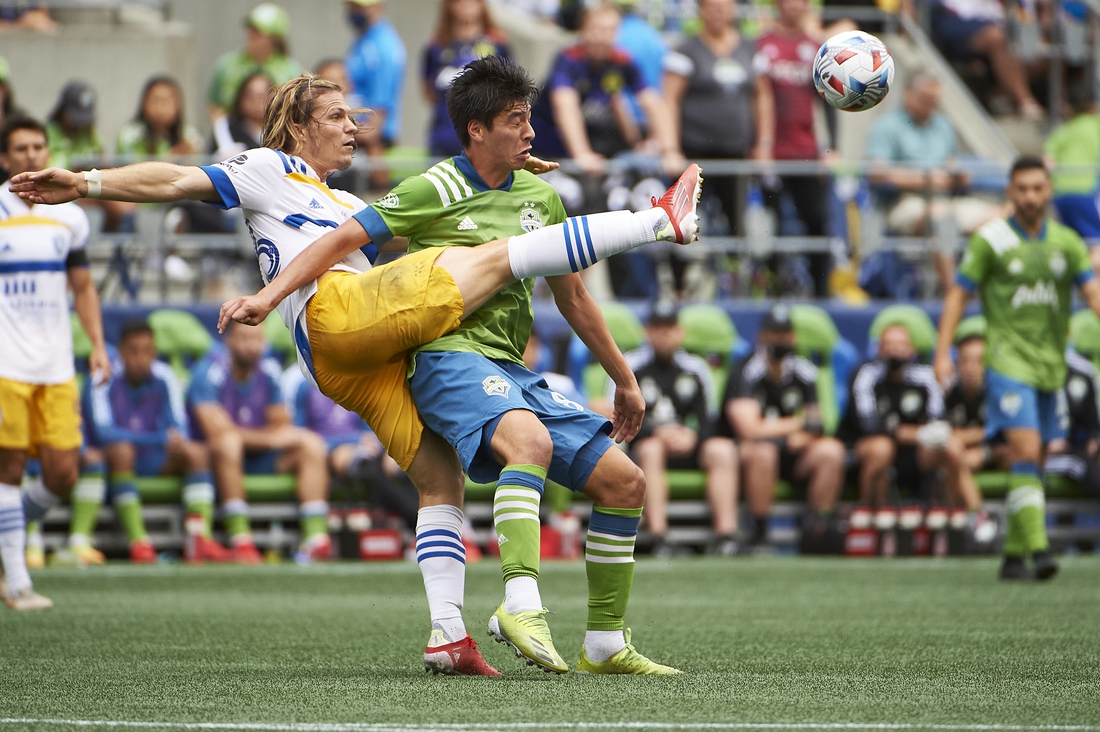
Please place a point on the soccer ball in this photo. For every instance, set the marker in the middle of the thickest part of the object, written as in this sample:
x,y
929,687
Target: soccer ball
x,y
853,71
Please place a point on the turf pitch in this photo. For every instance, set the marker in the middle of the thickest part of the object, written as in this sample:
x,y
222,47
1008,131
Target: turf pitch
x,y
795,643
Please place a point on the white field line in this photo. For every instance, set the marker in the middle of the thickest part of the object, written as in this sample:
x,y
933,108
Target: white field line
x,y
500,727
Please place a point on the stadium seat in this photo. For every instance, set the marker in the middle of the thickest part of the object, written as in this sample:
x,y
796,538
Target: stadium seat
x,y
627,331
972,326
1084,333
180,337
921,329
709,333
816,337
279,340
82,344
257,488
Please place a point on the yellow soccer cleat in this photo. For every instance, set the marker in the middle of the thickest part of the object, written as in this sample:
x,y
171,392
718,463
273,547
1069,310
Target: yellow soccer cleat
x,y
529,635
78,555
626,661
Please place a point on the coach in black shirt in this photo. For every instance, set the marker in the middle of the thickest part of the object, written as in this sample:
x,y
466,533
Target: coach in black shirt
x,y
1076,456
771,406
964,407
895,418
678,430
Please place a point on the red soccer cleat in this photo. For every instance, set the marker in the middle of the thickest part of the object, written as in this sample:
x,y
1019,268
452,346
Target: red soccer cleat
x,y
246,552
204,549
142,552
461,658
679,202
316,549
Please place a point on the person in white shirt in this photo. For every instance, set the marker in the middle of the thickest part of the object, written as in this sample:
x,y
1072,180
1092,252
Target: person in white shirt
x,y
42,254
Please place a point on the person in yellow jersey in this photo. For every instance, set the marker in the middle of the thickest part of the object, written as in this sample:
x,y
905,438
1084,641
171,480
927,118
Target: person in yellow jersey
x,y
352,323
42,254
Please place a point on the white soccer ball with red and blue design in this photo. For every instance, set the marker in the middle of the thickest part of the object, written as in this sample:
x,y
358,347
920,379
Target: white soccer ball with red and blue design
x,y
853,71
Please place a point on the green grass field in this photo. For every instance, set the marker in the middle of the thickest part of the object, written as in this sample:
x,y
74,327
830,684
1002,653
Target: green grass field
x,y
781,643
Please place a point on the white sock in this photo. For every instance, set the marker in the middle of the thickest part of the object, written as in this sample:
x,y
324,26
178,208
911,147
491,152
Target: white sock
x,y
582,241
442,560
521,594
13,539
600,645
37,500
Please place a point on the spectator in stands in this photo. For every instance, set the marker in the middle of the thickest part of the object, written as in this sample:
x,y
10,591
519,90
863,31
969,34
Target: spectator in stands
x,y
678,431
237,407
465,32
895,419
138,422
771,405
354,452
645,45
31,15
71,126
1076,456
909,150
1073,153
376,66
717,99
265,49
582,113
968,29
784,64
158,129
243,127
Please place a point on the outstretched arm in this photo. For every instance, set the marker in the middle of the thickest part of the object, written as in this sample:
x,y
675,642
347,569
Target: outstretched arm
x,y
139,183
586,320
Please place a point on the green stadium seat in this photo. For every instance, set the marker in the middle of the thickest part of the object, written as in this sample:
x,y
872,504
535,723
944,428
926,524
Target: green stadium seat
x,y
82,344
972,326
279,339
257,488
709,333
921,328
1084,333
405,152
628,333
815,337
179,336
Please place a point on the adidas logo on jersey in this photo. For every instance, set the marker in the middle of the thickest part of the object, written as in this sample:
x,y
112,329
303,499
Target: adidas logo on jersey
x,y
314,205
467,224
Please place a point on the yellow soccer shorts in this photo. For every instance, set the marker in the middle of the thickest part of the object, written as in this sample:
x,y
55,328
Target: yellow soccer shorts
x,y
39,414
361,328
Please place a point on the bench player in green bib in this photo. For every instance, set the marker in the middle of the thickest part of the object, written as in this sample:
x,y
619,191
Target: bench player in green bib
x,y
1024,268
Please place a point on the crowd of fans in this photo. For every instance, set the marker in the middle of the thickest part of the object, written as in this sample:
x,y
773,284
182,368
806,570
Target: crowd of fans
x,y
729,88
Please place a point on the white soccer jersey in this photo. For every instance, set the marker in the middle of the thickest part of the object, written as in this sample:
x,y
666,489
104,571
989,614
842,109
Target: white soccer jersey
x,y
286,208
37,245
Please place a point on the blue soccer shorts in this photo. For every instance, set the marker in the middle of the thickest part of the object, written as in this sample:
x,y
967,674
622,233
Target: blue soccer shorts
x,y
462,397
1012,404
1080,213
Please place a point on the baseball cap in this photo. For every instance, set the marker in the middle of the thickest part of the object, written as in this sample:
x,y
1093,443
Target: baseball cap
x,y
777,320
78,103
5,70
664,312
269,18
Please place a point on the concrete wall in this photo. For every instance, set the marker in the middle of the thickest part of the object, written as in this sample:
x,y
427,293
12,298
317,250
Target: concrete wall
x,y
117,57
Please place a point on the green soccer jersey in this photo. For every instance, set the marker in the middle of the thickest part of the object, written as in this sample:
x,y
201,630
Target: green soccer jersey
x,y
450,205
1026,289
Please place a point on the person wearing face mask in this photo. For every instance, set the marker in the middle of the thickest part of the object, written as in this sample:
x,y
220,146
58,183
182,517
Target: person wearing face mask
x,y
771,406
895,419
678,432
376,68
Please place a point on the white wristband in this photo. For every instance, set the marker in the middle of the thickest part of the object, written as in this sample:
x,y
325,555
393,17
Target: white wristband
x,y
95,182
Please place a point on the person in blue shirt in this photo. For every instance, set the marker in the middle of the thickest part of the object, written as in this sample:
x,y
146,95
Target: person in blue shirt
x,y
138,421
376,68
646,46
237,406
354,452
465,33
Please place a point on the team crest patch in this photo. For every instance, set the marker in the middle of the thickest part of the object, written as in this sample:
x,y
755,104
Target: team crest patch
x,y
496,386
1011,403
1058,264
910,403
390,200
529,217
